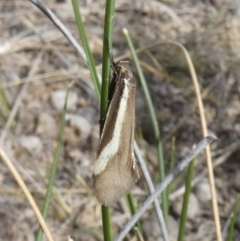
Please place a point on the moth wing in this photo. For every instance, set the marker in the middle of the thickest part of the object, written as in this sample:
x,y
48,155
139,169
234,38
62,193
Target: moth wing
x,y
110,119
115,182
131,161
116,158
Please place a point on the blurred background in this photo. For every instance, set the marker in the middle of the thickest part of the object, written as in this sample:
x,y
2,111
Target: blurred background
x,y
37,64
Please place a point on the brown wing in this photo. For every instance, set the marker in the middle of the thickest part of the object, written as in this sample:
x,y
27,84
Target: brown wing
x,y
121,172
110,118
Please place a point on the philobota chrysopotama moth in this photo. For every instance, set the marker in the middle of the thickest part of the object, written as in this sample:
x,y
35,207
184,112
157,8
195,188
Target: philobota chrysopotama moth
x,y
115,170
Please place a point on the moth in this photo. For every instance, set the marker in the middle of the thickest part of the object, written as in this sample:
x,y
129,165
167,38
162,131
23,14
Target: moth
x,y
115,169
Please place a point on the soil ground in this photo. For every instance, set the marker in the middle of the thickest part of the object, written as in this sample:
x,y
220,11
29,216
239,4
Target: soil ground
x,y
37,64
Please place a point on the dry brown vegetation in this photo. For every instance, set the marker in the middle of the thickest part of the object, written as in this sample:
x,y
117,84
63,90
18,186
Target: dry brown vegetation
x,y
34,77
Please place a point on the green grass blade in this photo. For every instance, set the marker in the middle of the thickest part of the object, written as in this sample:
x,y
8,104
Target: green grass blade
x,y
132,210
4,110
91,64
106,223
54,168
107,45
233,219
138,234
171,166
183,219
153,119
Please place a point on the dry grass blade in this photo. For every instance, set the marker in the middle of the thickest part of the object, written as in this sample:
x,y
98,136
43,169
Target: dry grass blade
x,y
27,194
14,110
205,133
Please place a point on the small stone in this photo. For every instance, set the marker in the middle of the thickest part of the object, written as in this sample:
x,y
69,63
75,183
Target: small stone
x,y
203,192
77,130
236,180
46,125
94,139
173,228
58,100
193,207
32,144
153,231
76,155
91,114
205,230
151,228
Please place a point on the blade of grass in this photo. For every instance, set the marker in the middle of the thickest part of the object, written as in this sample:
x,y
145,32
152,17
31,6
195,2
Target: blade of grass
x,y
138,234
4,110
233,219
107,45
153,117
132,209
172,158
91,64
183,219
160,215
54,166
106,222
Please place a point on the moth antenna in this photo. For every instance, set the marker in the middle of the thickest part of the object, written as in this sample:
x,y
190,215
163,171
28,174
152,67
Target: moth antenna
x,y
113,63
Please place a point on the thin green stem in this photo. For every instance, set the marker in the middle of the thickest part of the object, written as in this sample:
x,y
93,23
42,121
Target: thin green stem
x,y
186,201
171,166
153,119
4,110
233,219
107,45
133,210
54,169
106,223
91,64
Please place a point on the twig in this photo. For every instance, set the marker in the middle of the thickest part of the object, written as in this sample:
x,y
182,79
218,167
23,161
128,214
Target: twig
x,y
151,189
60,26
